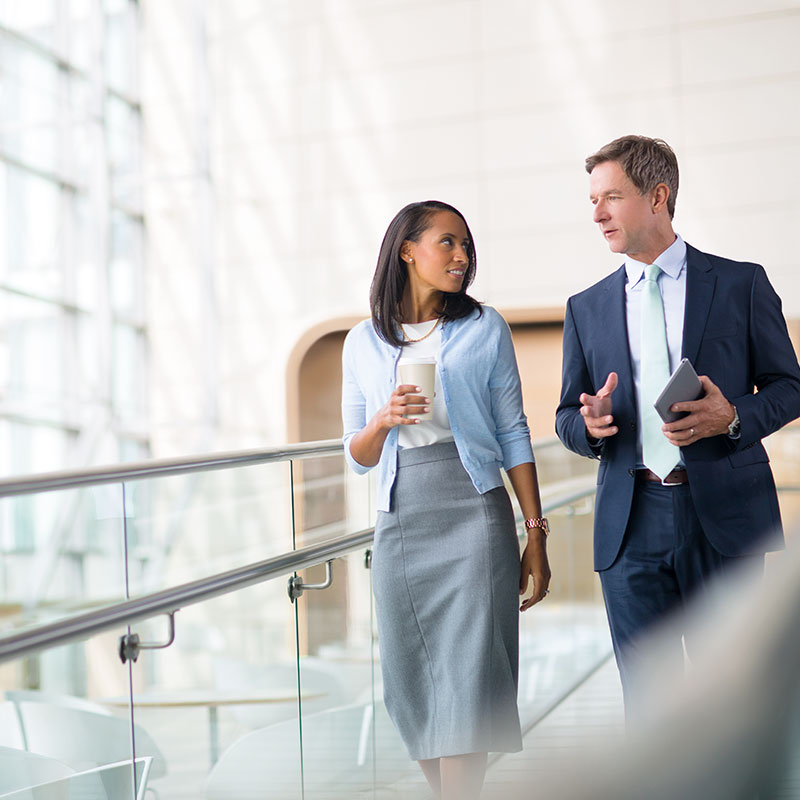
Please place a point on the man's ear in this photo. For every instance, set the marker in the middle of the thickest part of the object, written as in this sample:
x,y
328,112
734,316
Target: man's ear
x,y
659,197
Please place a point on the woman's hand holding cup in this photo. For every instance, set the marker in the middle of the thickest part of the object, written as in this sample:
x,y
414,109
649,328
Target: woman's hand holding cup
x,y
404,402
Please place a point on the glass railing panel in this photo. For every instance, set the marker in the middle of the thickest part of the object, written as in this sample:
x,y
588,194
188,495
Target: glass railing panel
x,y
222,700
61,553
564,637
329,500
784,452
555,464
58,727
185,527
232,671
337,682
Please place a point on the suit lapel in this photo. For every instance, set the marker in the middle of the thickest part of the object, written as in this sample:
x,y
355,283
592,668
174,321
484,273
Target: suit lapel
x,y
700,283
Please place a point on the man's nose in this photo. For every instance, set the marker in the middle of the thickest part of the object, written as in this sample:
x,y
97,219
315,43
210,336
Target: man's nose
x,y
600,212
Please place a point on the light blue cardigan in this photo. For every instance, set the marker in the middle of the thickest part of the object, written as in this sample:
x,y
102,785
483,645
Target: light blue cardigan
x,y
481,388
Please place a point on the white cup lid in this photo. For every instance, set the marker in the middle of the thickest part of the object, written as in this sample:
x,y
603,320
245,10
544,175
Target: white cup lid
x,y
419,360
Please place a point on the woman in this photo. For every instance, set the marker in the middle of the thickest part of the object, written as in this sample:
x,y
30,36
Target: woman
x,y
446,562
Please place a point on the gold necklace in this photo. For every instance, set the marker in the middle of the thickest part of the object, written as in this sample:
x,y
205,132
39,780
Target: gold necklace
x,y
414,341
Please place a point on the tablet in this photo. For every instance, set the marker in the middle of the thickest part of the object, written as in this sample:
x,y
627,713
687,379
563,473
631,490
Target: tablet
x,y
682,385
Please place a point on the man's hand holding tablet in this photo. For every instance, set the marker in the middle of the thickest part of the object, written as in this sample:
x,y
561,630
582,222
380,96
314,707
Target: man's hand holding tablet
x,y
693,407
682,385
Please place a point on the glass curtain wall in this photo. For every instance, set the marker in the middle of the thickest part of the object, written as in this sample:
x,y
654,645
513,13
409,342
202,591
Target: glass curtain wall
x,y
73,359
72,339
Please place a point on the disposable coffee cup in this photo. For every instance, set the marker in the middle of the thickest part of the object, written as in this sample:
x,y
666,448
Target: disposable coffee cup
x,y
419,372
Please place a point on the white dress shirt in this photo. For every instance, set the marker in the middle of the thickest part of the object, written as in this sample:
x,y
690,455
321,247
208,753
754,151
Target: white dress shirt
x,y
672,284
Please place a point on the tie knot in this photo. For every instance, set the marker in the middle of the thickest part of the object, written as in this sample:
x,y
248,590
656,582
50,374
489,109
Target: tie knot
x,y
651,272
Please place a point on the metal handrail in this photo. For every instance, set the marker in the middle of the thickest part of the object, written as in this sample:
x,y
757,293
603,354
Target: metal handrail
x,y
83,626
181,465
166,601
163,467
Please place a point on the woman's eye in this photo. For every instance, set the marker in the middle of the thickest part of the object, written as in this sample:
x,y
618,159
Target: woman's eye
x,y
447,240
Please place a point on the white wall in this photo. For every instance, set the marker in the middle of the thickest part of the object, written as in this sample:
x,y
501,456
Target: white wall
x,y
306,124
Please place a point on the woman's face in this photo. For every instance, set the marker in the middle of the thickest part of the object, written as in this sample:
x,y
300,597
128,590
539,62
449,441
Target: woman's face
x,y
439,260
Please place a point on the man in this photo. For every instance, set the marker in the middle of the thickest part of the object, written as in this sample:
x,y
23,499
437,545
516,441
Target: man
x,y
679,502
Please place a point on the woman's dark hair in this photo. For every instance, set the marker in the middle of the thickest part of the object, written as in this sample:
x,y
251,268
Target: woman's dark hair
x,y
391,271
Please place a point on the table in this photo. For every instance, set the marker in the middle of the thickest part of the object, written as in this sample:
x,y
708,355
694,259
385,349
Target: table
x,y
208,698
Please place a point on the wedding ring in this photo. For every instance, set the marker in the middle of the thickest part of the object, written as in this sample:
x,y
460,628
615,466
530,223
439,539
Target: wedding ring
x,y
691,430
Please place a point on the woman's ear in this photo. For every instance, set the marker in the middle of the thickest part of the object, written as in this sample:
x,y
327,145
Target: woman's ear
x,y
406,253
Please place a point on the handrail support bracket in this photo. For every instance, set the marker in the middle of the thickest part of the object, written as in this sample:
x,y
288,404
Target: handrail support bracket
x,y
296,586
130,645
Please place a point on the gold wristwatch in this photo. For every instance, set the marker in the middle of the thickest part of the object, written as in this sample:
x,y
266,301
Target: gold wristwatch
x,y
538,522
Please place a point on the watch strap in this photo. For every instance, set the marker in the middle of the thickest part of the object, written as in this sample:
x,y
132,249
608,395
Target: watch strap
x,y
733,428
538,522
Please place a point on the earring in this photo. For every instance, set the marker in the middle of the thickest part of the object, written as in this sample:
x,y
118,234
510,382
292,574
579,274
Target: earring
x,y
410,260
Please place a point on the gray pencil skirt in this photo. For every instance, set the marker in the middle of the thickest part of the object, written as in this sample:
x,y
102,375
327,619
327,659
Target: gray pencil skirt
x,y
445,576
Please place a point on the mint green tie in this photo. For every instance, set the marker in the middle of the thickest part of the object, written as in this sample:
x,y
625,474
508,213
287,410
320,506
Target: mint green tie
x,y
657,453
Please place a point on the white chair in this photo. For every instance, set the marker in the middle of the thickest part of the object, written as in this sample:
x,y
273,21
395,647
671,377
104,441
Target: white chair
x,y
337,755
108,782
84,739
20,769
66,700
321,687
10,727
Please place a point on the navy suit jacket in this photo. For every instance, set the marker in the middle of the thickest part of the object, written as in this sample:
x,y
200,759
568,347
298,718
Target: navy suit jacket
x,y
735,333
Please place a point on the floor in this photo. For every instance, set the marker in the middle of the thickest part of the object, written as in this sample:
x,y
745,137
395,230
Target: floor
x,y
590,714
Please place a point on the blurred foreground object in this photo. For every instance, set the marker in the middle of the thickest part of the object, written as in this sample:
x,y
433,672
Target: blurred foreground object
x,y
729,729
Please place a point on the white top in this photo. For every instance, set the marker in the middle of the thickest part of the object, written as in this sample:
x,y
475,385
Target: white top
x,y
429,431
672,283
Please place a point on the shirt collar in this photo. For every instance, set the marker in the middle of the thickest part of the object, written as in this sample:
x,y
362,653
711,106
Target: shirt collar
x,y
671,261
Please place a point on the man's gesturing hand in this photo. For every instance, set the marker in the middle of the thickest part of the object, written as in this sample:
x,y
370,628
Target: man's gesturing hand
x,y
596,410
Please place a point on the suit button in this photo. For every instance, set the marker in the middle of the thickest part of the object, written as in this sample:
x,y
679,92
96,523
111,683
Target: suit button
x,y
633,426
632,472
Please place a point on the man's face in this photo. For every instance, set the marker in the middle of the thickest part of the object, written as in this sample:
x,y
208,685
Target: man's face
x,y
624,215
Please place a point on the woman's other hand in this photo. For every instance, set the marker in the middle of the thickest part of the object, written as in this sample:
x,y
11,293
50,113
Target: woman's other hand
x,y
534,565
